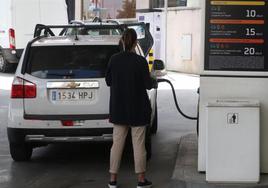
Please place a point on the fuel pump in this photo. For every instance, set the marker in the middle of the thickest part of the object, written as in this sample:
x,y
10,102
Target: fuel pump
x,y
234,68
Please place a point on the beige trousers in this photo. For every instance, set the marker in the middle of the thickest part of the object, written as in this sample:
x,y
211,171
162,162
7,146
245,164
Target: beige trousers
x,y
138,141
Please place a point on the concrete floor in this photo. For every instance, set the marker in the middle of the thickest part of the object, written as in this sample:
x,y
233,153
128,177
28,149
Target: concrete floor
x,y
86,165
185,174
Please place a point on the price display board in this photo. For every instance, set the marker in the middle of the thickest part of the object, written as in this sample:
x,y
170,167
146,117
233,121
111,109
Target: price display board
x,y
236,35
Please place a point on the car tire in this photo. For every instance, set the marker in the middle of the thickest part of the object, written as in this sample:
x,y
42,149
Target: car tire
x,y
5,66
20,152
148,143
155,122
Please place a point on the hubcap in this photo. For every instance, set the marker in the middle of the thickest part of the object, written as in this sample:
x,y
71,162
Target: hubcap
x,y
2,61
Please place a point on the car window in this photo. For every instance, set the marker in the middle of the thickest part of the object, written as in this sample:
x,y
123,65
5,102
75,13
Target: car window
x,y
145,38
93,32
59,62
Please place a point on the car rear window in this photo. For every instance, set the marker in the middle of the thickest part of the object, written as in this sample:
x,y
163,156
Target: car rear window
x,y
93,32
60,62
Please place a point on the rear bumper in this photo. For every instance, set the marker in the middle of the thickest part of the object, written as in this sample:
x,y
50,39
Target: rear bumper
x,y
16,135
67,117
12,56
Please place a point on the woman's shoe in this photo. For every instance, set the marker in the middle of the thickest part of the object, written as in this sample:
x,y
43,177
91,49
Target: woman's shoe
x,y
145,184
112,184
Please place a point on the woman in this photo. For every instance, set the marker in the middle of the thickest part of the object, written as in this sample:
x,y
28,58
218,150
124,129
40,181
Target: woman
x,y
129,78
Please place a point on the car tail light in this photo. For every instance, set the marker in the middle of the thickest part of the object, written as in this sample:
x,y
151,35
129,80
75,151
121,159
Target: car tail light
x,y
67,123
12,43
22,89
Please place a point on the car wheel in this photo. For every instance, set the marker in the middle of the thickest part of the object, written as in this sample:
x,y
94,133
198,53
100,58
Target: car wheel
x,y
4,65
20,152
148,143
155,122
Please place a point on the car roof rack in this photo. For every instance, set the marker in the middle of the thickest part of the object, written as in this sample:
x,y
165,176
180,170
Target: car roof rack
x,y
113,21
79,22
97,19
46,30
101,21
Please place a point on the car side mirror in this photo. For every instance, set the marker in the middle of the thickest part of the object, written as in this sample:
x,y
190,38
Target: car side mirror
x,y
158,65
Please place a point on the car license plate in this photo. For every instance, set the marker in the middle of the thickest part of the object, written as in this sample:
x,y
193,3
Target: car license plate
x,y
72,95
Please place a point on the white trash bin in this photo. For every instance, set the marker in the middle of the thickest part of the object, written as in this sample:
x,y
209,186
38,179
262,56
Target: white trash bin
x,y
233,141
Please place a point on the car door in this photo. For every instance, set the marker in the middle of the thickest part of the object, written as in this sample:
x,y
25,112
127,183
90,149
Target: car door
x,y
145,38
146,42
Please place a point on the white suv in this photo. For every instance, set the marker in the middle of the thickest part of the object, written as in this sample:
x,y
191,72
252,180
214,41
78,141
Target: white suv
x,y
59,92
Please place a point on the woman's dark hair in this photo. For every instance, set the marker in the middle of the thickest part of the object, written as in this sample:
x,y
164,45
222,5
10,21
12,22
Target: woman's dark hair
x,y
128,39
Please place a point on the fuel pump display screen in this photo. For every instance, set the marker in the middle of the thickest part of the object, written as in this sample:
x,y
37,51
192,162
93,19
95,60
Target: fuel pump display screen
x,y
236,35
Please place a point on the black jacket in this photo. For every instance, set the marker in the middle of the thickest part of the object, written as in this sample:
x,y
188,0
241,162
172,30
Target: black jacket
x,y
128,76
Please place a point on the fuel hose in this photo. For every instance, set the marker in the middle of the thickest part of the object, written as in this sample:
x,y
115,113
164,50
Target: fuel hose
x,y
175,99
